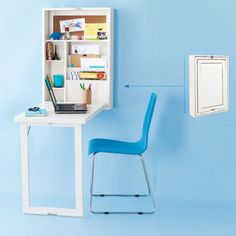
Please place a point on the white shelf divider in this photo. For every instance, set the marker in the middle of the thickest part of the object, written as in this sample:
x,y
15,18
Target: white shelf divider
x,y
55,61
57,88
87,69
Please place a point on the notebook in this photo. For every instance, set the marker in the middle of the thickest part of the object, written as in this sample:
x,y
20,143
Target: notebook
x,y
40,112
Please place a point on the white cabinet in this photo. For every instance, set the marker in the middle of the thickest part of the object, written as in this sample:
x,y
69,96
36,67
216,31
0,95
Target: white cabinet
x,y
208,84
95,40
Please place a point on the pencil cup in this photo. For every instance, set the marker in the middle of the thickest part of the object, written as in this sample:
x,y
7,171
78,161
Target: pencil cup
x,y
87,96
58,80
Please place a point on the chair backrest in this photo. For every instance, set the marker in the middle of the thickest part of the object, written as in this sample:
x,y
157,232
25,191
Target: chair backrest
x,y
147,120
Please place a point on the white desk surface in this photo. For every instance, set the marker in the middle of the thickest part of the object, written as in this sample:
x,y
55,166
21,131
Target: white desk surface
x,y
60,119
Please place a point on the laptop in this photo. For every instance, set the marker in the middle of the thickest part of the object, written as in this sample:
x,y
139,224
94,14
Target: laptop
x,y
65,108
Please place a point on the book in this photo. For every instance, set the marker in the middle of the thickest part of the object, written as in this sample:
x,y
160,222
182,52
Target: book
x,y
40,112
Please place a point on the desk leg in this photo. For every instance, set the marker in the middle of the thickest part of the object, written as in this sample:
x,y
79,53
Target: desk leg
x,y
78,171
78,210
25,167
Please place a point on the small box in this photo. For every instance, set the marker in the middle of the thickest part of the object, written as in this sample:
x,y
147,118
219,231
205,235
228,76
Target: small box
x,y
74,60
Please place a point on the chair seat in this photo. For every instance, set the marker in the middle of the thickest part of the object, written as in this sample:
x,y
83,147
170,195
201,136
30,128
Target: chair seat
x,y
114,146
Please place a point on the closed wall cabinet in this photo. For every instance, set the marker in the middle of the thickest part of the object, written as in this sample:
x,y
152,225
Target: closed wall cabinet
x,y
208,85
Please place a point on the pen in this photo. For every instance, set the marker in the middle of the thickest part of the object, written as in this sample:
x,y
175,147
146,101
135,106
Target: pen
x,y
82,86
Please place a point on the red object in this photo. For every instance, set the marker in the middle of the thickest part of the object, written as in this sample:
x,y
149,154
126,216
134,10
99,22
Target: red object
x,y
100,75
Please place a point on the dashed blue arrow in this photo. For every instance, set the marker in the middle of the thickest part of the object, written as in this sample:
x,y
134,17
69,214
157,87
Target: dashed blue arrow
x,y
183,86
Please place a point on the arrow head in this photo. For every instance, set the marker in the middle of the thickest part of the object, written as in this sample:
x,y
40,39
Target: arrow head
x,y
127,86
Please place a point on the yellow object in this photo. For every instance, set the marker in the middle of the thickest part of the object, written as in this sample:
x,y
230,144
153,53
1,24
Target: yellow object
x,y
51,82
91,30
92,75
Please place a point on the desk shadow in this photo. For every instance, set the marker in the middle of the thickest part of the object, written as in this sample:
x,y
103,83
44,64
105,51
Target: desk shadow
x,y
116,57
171,128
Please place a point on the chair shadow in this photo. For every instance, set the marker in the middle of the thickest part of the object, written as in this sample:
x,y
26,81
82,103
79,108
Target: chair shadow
x,y
170,132
172,126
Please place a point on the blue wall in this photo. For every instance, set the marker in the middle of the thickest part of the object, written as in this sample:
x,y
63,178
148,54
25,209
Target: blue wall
x,y
191,161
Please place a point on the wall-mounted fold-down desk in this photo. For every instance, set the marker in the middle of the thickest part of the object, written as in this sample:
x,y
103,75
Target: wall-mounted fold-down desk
x,y
75,121
95,38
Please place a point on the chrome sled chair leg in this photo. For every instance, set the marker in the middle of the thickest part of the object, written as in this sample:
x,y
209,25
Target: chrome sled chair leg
x,y
150,193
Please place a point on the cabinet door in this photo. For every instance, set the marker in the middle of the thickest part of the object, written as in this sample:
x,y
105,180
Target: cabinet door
x,y
211,85
208,84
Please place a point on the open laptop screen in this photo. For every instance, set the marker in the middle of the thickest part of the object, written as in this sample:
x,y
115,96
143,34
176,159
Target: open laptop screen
x,y
50,91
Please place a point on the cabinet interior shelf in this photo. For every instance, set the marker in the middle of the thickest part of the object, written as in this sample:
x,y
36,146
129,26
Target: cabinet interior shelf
x,y
88,80
57,88
76,41
55,61
87,69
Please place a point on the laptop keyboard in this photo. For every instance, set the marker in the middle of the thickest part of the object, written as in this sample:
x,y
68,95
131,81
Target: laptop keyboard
x,y
66,106
71,107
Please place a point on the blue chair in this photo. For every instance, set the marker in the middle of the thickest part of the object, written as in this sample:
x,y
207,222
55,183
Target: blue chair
x,y
129,148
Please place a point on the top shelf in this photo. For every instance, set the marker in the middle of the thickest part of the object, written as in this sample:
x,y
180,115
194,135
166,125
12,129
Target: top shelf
x,y
76,41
